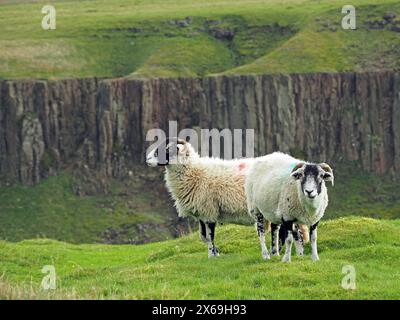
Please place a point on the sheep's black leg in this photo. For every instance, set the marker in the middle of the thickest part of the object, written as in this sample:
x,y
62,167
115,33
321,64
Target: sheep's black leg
x,y
282,236
288,225
261,235
275,235
313,240
203,232
298,241
212,249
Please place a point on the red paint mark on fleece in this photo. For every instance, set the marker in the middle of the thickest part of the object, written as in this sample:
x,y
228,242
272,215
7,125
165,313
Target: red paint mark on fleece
x,y
242,166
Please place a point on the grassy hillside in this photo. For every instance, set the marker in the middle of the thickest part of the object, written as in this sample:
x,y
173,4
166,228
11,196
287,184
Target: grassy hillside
x,y
180,269
127,213
154,38
138,209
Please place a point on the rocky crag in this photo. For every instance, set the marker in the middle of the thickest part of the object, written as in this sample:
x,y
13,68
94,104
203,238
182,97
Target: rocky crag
x,y
100,125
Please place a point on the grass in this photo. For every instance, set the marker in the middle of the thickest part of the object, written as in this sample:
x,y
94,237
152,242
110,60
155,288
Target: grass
x,y
180,269
361,193
147,39
174,58
128,213
51,209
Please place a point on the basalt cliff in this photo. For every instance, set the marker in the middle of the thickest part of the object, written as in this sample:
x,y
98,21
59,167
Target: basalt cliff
x,y
101,124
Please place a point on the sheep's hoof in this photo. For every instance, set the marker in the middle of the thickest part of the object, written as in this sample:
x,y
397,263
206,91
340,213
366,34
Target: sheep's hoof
x,y
266,256
275,253
299,250
286,258
315,258
213,253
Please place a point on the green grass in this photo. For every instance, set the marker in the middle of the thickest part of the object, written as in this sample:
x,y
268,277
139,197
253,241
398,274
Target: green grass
x,y
316,48
141,38
174,58
361,193
180,269
138,210
51,209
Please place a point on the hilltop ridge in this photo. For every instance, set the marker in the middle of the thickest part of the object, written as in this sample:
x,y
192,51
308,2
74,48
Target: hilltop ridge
x,y
176,38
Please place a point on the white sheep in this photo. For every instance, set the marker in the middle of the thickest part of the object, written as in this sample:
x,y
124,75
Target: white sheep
x,y
282,189
209,189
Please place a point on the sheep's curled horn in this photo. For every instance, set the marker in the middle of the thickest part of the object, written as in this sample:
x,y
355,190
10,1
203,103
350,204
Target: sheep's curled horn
x,y
296,170
326,167
297,166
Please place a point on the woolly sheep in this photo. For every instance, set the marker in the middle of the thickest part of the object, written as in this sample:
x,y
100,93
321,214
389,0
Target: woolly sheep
x,y
209,189
282,189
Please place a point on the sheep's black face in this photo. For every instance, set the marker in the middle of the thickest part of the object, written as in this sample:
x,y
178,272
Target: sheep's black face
x,y
311,177
165,153
311,182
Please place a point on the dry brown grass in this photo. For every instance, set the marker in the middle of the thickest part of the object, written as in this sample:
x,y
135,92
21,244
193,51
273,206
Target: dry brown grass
x,y
56,55
23,292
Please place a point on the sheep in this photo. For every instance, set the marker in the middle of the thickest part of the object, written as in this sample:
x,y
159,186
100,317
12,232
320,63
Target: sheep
x,y
285,190
209,189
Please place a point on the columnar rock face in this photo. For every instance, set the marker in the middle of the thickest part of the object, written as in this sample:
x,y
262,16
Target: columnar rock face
x,y
48,126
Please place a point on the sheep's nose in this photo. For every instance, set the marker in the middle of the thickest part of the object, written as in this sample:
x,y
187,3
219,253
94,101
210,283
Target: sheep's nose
x,y
309,192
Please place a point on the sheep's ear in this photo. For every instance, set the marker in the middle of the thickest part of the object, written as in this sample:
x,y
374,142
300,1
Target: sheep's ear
x,y
328,172
297,171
